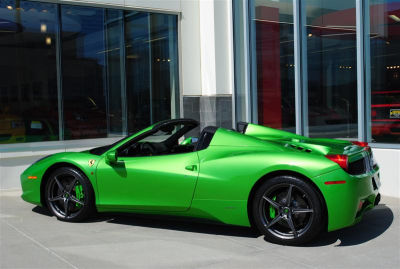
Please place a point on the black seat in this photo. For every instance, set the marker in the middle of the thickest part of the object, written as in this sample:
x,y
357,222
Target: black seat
x,y
241,127
205,137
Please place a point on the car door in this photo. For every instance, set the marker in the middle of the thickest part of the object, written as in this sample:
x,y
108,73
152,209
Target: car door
x,y
153,183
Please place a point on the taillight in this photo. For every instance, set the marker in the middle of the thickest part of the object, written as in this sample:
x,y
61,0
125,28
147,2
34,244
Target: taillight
x,y
341,160
359,143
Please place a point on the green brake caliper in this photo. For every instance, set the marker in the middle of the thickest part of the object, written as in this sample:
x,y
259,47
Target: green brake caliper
x,y
272,212
79,194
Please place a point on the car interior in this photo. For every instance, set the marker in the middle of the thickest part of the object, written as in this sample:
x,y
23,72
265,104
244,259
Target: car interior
x,y
173,131
141,146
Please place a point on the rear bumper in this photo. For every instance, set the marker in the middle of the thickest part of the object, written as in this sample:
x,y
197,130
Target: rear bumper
x,y
346,203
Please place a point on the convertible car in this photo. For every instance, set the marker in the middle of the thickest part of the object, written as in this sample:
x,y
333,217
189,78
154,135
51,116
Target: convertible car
x,y
288,186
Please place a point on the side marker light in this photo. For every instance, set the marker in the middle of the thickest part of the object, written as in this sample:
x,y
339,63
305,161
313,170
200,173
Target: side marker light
x,y
335,182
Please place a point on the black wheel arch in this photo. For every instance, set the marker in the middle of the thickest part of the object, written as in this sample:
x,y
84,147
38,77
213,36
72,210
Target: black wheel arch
x,y
47,174
274,174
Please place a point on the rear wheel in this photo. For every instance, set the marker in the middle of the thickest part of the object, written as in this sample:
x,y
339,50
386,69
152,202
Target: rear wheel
x,y
287,210
69,194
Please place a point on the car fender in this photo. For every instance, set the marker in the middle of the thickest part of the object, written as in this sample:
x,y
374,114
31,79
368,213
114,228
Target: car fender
x,y
33,188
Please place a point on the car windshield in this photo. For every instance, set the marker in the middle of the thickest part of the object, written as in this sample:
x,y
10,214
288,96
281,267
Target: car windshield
x,y
102,149
162,133
160,136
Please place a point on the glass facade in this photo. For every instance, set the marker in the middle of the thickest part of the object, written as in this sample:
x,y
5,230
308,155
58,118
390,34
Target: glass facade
x,y
28,72
74,72
331,68
384,41
303,59
151,66
272,32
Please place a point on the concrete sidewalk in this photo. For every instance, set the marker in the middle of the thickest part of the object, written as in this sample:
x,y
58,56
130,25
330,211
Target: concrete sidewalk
x,y
30,238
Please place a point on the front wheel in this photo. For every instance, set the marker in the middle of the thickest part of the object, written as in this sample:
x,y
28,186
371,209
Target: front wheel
x,y
288,210
69,194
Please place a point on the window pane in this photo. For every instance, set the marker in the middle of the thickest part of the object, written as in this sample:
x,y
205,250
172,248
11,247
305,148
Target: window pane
x,y
385,70
151,68
332,72
91,72
114,70
164,66
272,24
137,69
28,78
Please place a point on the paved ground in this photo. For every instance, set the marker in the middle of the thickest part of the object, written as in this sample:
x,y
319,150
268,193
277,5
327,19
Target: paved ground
x,y
30,238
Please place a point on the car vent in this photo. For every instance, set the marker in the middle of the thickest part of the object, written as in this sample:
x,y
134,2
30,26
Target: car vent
x,y
374,183
300,148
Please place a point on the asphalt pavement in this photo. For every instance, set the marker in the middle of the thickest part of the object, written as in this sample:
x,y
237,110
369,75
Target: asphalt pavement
x,y
31,238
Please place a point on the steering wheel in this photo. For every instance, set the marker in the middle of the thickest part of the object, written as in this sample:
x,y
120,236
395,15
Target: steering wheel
x,y
147,147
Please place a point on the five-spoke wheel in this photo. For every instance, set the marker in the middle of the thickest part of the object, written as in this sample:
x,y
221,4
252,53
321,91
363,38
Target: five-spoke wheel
x,y
69,195
287,210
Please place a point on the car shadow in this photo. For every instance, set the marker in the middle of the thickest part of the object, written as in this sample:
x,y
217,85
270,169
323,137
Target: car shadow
x,y
373,224
42,211
183,224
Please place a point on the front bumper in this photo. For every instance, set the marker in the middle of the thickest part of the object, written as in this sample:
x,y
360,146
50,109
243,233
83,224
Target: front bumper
x,y
31,187
346,203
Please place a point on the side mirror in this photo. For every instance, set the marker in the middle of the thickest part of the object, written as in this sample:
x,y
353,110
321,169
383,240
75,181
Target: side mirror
x,y
112,157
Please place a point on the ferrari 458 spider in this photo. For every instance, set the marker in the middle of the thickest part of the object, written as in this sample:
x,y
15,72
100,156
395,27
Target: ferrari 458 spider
x,y
288,186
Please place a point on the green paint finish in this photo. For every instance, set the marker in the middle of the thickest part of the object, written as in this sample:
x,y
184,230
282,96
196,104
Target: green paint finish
x,y
220,179
148,183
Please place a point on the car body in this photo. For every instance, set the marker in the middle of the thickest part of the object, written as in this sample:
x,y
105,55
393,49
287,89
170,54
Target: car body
x,y
84,118
216,177
385,116
14,129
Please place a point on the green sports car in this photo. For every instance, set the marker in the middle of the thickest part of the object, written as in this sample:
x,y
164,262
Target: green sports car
x,y
288,186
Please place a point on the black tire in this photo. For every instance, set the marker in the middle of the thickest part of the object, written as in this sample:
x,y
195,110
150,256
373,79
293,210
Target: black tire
x,y
288,223
69,195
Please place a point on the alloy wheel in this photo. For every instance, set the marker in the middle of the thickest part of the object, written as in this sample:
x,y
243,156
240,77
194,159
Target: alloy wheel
x,y
65,196
286,211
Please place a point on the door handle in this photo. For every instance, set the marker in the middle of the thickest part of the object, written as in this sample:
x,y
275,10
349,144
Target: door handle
x,y
191,167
